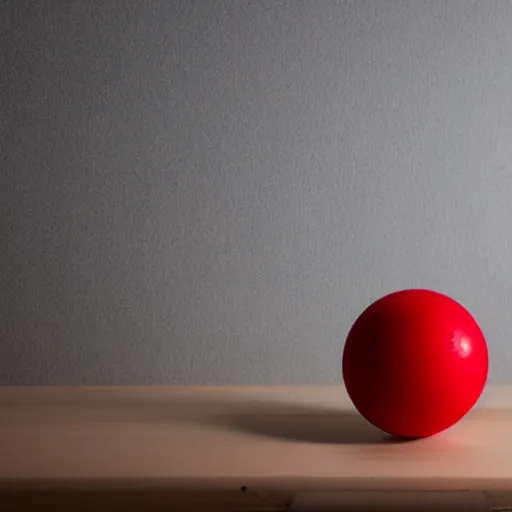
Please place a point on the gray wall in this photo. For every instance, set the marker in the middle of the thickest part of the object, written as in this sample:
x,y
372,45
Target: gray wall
x,y
211,192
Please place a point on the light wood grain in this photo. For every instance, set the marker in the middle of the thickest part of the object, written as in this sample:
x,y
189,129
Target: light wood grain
x,y
249,446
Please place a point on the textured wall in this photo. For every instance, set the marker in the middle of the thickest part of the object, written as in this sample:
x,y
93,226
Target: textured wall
x,y
210,192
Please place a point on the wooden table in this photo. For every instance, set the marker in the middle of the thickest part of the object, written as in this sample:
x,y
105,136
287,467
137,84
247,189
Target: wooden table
x,y
240,448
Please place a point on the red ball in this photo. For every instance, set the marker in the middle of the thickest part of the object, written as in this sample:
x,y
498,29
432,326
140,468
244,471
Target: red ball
x,y
414,363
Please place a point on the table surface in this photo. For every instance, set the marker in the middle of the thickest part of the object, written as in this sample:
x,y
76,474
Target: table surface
x,y
295,437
